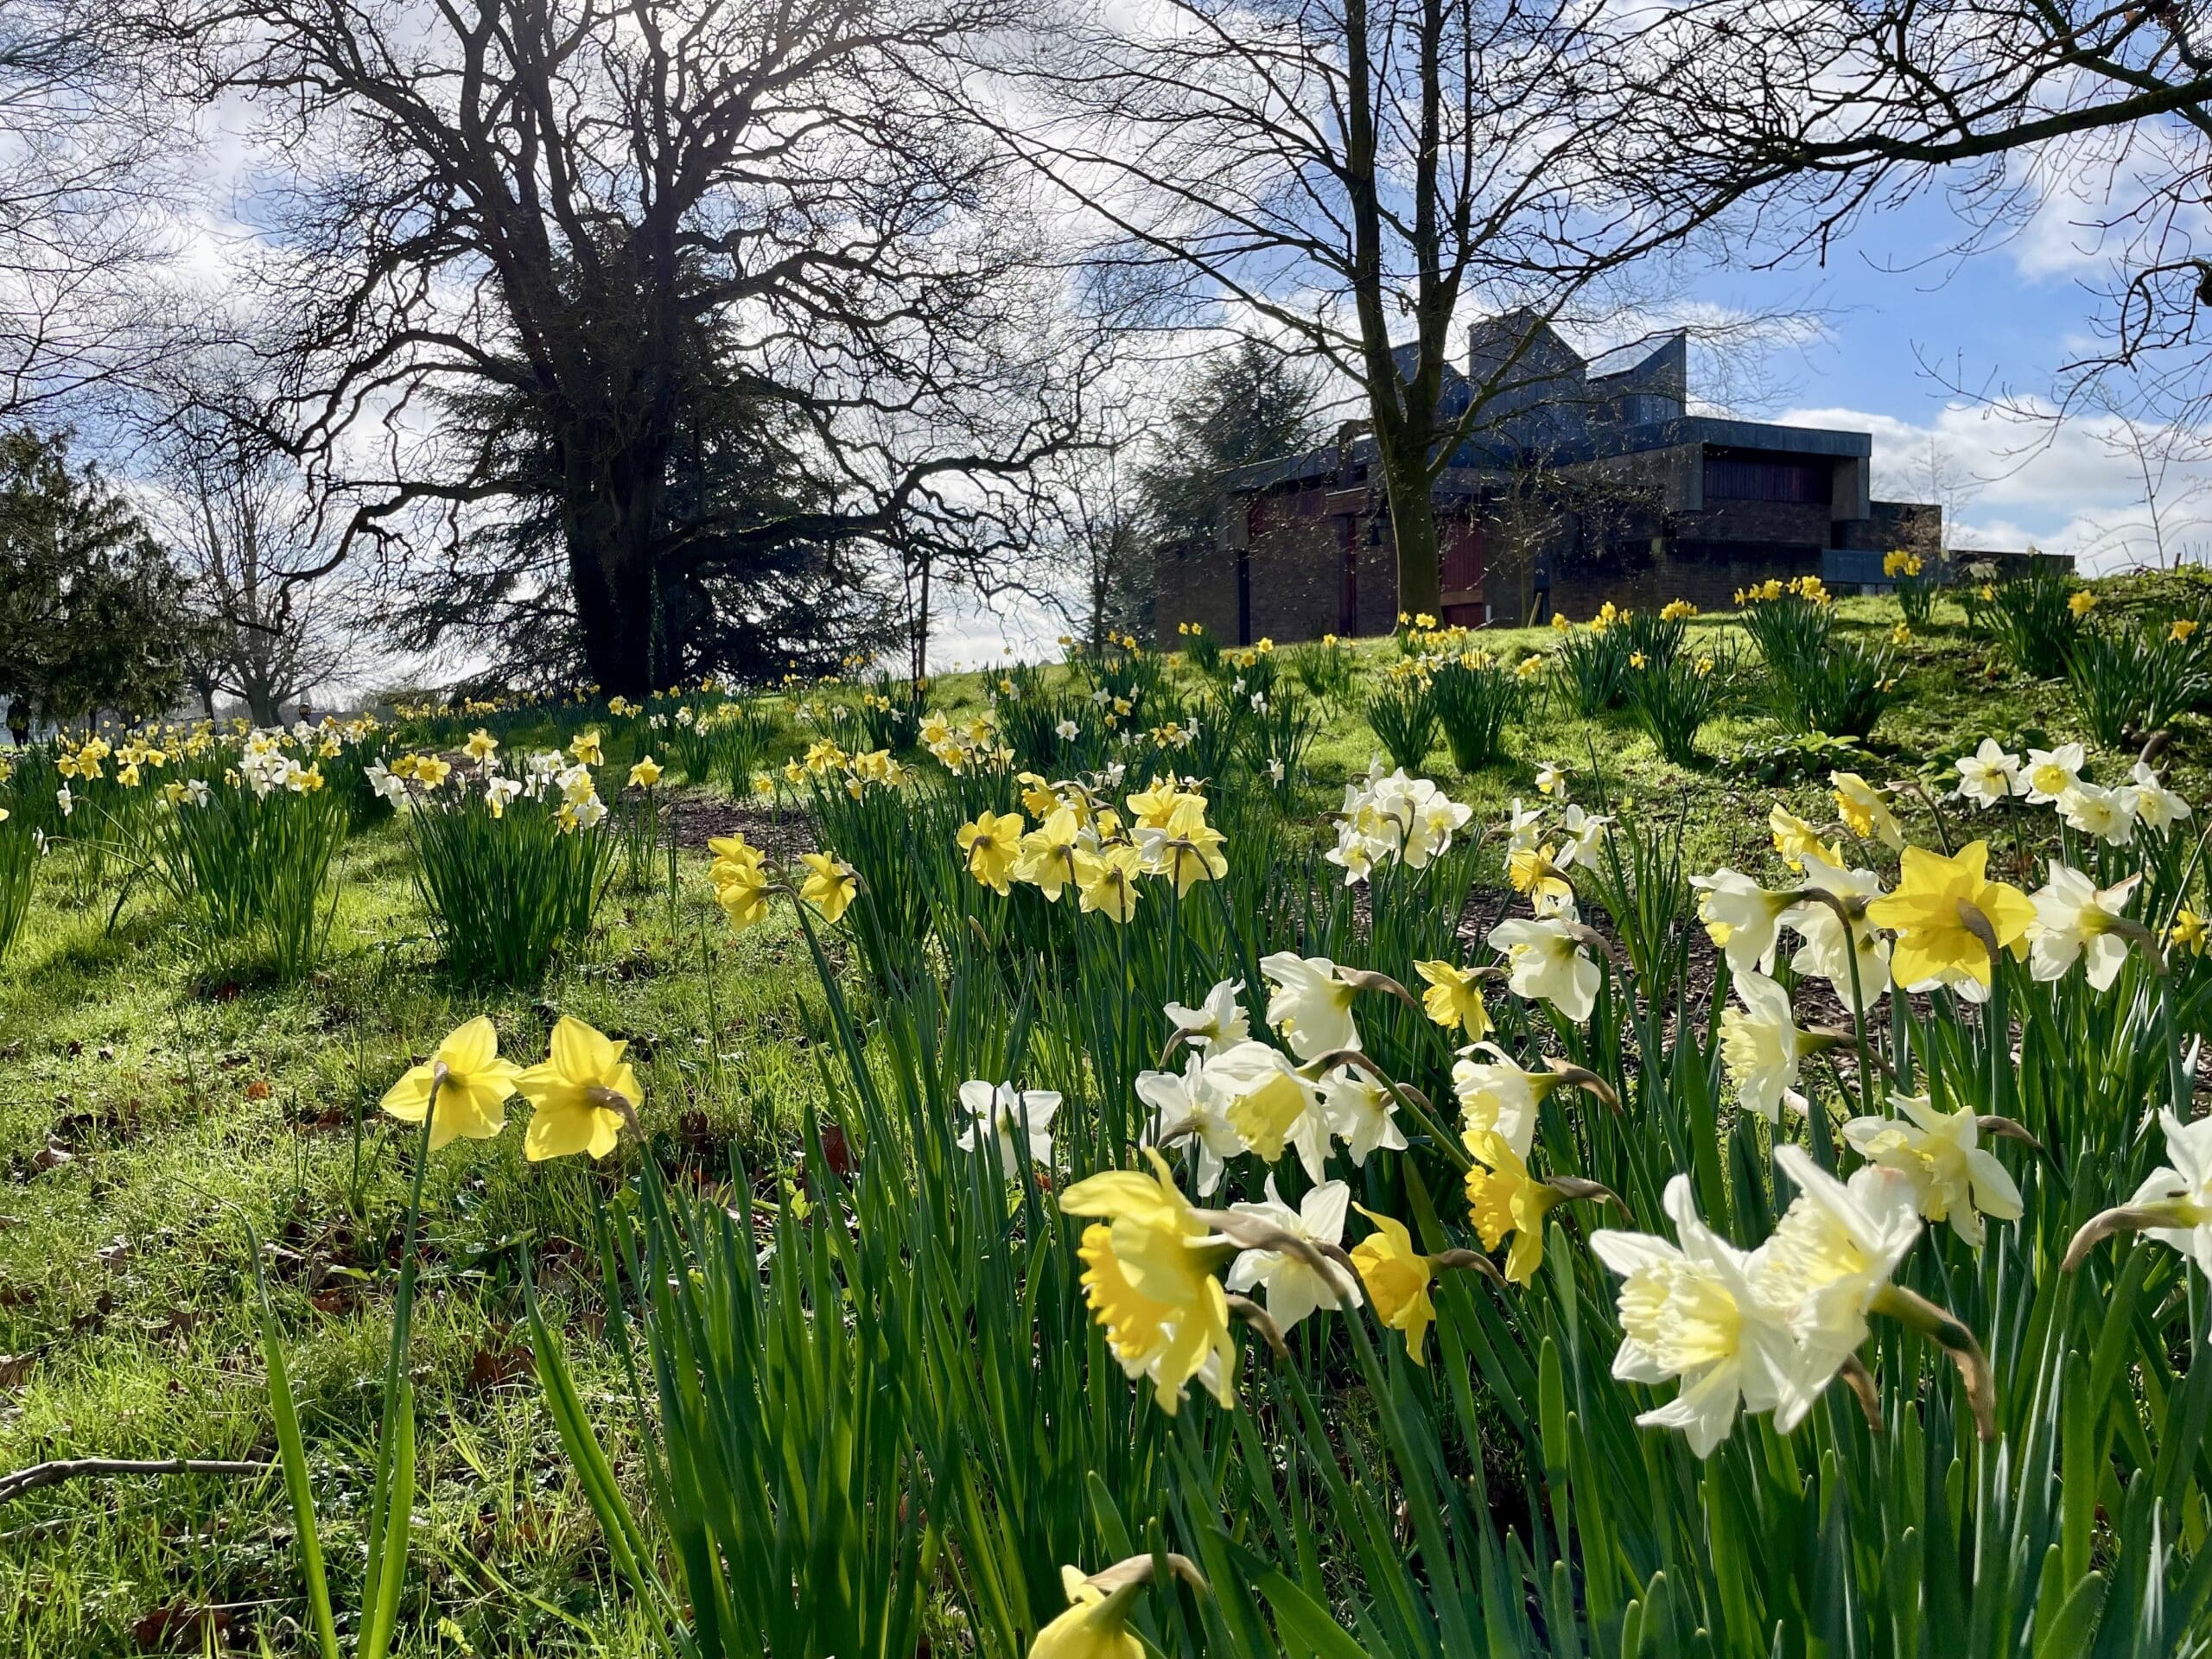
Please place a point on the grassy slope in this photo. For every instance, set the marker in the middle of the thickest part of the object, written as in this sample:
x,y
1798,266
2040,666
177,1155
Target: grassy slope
x,y
194,1100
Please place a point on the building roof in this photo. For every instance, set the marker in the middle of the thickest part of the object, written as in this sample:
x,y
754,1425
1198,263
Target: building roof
x,y
1542,405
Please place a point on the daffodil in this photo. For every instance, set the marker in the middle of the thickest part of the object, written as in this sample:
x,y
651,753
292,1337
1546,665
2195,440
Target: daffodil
x,y
1864,810
1271,1104
1535,872
1185,849
1361,1113
646,774
2080,603
1793,839
2106,814
471,1081
1106,880
2156,807
1743,917
1761,1045
1454,998
584,749
1095,1625
481,743
1294,1288
831,885
1498,1097
743,896
1018,1120
2176,1199
583,1092
1953,1178
2075,921
1149,1282
1693,1313
1220,1019
1309,1004
1546,962
2051,773
992,844
1047,861
1947,914
1396,1277
2190,932
1832,1253
1503,1199
1989,774
1845,950
1191,1107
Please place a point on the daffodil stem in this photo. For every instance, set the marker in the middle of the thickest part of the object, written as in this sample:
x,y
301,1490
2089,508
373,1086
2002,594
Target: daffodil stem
x,y
402,1320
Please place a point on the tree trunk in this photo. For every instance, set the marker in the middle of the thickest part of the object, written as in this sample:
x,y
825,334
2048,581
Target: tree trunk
x,y
611,527
1413,527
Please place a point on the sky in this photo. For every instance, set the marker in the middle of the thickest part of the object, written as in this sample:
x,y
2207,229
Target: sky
x,y
1927,348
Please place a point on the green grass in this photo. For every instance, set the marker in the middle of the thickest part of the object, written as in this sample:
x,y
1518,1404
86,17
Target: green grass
x,y
194,1096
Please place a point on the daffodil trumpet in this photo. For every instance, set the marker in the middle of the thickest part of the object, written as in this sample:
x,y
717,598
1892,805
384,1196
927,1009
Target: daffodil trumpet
x,y
1915,1313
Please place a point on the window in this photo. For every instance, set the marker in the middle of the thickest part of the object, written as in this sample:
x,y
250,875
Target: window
x,y
1755,478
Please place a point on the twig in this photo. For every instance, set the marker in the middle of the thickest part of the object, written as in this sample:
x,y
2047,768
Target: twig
x,y
52,1474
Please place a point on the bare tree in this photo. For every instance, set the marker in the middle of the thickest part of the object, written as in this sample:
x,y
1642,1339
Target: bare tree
x,y
1349,176
239,514
589,210
2170,522
81,141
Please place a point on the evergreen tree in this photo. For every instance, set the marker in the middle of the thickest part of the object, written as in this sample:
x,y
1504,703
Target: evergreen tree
x,y
1249,404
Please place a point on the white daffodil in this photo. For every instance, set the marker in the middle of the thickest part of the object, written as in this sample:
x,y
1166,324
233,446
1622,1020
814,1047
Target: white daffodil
x,y
1523,830
1761,1045
1551,779
1191,1107
1829,945
2051,773
1545,961
1583,835
1271,1104
1497,1096
1694,1313
2182,1191
1310,1005
1742,918
2108,814
1362,1113
1018,1119
1295,1288
2074,921
1832,1253
2156,807
1989,774
1953,1178
1219,1019
1067,731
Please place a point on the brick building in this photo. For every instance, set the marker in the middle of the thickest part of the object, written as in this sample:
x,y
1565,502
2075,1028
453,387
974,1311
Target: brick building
x,y
1583,483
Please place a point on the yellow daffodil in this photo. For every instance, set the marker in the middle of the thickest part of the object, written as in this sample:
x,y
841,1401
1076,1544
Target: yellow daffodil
x,y
992,844
583,1092
1148,1278
1396,1276
2184,630
1454,998
2081,603
481,743
1533,871
1048,852
584,749
1106,880
431,770
1150,808
471,1099
1095,1625
1940,911
1504,1200
831,885
744,896
1795,839
1864,810
2190,932
646,774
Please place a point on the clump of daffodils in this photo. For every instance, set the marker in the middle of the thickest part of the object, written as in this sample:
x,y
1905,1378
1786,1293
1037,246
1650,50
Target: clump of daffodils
x,y
1394,818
